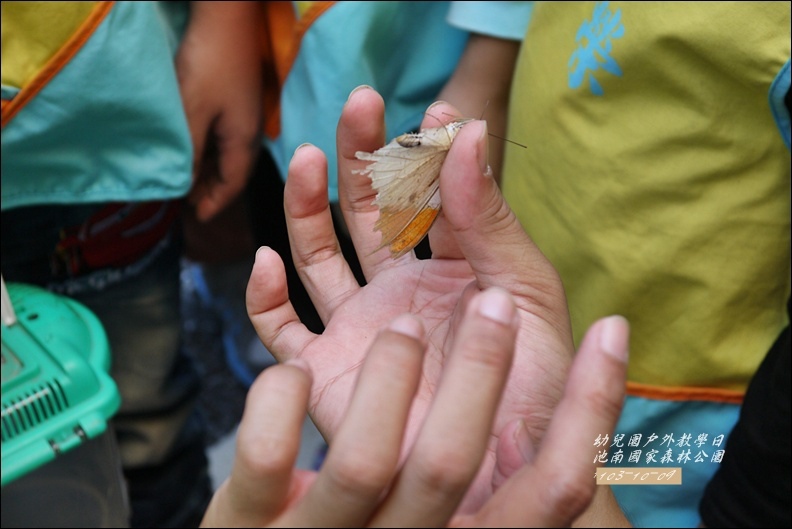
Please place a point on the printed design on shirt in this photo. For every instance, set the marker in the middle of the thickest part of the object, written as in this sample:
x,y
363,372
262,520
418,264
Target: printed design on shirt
x,y
594,45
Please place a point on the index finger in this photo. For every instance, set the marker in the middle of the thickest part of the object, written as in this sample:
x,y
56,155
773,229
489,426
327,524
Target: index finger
x,y
360,128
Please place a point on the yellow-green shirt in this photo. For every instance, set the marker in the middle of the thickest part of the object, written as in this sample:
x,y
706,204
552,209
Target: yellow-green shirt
x,y
657,181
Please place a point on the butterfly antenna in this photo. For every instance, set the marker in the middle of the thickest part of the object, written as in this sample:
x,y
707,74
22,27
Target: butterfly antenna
x,y
435,117
495,135
509,141
481,117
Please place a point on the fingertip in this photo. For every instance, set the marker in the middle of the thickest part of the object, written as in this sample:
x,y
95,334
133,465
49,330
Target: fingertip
x,y
275,406
300,364
260,252
407,325
466,183
474,138
439,114
361,126
358,89
305,191
363,95
477,135
437,104
267,284
523,441
514,450
206,209
287,380
300,146
263,255
496,304
614,337
306,154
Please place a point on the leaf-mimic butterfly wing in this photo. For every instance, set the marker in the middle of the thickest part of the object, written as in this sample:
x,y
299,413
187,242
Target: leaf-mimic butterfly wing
x,y
405,174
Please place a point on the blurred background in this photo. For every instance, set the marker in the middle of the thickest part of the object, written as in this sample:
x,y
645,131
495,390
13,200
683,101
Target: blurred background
x,y
229,355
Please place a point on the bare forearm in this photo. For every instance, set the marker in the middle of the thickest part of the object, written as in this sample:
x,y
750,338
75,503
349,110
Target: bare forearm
x,y
481,84
219,69
222,12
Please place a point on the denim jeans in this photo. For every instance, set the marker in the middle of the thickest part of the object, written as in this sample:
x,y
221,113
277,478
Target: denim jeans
x,y
160,434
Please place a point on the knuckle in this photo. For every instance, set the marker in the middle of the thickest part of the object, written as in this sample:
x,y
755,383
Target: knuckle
x,y
490,351
601,402
445,474
267,457
566,497
354,475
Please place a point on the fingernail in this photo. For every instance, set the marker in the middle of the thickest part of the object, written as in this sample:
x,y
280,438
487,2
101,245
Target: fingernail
x,y
436,103
614,337
261,251
496,304
523,441
482,148
361,87
407,325
300,146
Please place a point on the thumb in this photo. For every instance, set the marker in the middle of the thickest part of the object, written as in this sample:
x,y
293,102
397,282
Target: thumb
x,y
486,230
515,448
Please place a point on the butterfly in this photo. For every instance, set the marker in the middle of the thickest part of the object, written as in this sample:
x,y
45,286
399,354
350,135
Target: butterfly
x,y
405,174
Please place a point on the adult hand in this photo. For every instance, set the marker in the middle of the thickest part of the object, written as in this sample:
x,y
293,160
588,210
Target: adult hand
x,y
476,243
362,483
219,70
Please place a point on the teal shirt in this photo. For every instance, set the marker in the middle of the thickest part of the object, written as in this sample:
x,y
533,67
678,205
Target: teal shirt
x,y
110,125
404,50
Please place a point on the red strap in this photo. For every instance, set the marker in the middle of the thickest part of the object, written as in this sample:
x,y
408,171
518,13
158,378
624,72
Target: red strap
x,y
115,236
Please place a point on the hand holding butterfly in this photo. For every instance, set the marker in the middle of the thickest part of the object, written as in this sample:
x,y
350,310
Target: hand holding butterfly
x,y
476,243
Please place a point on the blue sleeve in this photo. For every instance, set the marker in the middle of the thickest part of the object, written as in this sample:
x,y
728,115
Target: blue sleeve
x,y
779,97
505,20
